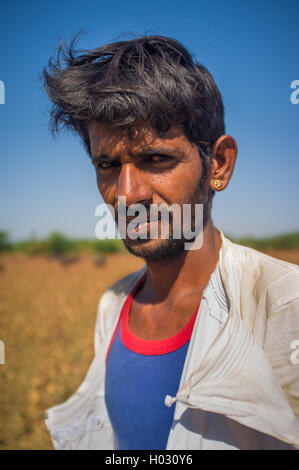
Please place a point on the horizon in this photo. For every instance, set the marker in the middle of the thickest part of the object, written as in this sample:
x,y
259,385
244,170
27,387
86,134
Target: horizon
x,y
33,237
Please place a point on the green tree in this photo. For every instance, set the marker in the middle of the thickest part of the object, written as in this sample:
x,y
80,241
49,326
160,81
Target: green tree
x,y
5,244
58,244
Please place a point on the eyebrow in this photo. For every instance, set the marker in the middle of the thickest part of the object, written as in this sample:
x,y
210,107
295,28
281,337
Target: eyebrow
x,y
146,152
102,157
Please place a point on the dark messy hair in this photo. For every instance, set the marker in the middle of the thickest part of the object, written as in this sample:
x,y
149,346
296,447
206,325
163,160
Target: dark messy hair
x,y
151,80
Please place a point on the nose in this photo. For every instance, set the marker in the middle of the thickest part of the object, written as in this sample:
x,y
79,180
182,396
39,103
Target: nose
x,y
132,185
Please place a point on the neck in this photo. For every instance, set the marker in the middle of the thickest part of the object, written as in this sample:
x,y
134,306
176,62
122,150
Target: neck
x,y
190,271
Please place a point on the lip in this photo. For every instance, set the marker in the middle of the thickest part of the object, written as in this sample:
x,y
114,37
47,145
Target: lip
x,y
144,223
127,220
141,228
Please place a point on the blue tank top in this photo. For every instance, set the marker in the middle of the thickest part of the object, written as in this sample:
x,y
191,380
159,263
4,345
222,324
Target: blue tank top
x,y
139,374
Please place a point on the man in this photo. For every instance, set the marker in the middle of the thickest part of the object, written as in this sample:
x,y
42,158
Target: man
x,y
192,351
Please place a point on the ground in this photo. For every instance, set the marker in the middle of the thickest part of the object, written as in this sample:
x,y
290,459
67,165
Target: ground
x,y
47,317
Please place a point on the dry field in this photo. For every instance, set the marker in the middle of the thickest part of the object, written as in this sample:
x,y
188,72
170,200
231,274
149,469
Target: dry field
x,y
47,317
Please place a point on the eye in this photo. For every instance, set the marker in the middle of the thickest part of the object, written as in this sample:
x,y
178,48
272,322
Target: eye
x,y
158,162
160,158
105,166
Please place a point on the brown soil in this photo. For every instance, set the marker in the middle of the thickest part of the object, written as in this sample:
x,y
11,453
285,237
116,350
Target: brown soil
x,y
47,316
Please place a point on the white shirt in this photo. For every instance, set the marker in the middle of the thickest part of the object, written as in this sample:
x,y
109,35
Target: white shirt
x,y
239,388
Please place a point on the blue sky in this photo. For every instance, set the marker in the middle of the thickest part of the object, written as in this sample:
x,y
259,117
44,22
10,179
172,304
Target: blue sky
x,y
250,47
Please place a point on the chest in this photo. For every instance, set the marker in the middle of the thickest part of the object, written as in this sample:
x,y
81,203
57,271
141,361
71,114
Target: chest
x,y
156,321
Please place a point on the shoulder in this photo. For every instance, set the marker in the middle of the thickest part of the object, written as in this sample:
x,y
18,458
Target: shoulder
x,y
110,304
277,278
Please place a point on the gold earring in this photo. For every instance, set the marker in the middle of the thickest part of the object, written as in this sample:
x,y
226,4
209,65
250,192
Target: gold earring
x,y
218,185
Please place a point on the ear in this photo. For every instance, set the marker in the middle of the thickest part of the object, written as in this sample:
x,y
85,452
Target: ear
x,y
225,151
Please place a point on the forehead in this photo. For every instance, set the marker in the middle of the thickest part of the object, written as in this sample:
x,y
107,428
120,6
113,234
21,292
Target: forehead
x,y
115,142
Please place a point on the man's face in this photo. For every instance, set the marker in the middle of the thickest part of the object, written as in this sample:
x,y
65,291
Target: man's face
x,y
148,169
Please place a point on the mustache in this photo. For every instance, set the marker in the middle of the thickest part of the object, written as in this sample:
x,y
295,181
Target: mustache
x,y
144,212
